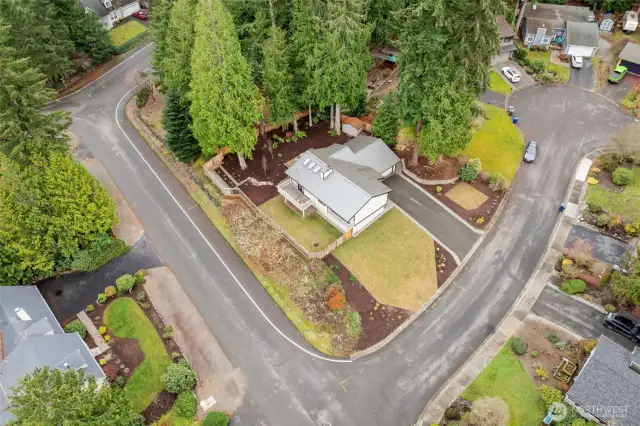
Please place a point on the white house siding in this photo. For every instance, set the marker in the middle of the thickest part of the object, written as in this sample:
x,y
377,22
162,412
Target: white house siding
x,y
585,51
366,214
316,203
129,9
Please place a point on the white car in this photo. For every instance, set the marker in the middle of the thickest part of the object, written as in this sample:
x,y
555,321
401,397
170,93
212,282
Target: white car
x,y
511,74
576,61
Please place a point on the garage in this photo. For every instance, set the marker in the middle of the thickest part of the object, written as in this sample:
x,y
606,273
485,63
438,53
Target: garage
x,y
630,58
582,39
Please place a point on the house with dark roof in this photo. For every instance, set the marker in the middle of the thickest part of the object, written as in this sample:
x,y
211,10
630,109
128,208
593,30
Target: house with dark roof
x,y
607,390
630,58
107,12
507,40
342,183
30,338
571,27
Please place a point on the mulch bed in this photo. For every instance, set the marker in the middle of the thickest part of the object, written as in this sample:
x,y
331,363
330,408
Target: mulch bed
x,y
447,168
317,137
158,407
616,231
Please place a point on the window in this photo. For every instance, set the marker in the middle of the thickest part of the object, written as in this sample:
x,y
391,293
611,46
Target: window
x,y
546,39
529,39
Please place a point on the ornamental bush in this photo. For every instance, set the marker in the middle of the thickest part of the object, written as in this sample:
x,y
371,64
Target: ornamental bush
x,y
573,286
101,298
76,326
476,164
335,297
468,174
496,181
602,220
111,372
609,308
594,207
125,283
550,395
102,329
216,418
179,377
519,346
186,405
609,164
622,176
90,308
110,291
589,345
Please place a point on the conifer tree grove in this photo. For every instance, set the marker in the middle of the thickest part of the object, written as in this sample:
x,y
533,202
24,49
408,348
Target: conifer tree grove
x,y
386,123
176,121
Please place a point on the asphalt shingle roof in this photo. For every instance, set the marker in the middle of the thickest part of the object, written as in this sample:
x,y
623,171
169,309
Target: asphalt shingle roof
x,y
583,34
504,29
631,53
607,386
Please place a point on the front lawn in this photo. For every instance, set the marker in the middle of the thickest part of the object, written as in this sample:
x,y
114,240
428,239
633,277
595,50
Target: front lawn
x,y
124,318
312,232
562,73
497,143
125,32
498,84
394,259
625,203
506,378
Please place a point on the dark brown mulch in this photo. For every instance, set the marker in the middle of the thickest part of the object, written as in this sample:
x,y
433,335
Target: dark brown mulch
x,y
160,405
445,264
317,137
89,341
447,168
485,211
378,320
606,180
616,231
224,177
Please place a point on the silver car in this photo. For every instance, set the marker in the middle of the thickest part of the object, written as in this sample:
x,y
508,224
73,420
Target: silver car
x,y
531,151
511,74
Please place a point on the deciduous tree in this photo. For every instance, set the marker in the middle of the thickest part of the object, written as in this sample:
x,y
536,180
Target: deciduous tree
x,y
226,105
176,121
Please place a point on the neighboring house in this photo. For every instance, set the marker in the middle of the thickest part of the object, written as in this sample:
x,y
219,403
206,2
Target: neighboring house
x,y
630,58
607,390
572,27
110,11
30,337
343,183
507,40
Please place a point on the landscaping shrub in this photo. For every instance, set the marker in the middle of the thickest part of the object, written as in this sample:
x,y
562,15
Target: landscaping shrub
x,y
622,176
142,96
602,220
90,308
102,329
521,54
110,291
573,286
589,345
353,279
141,297
452,413
102,361
468,174
553,338
609,308
140,276
101,251
476,164
534,354
538,66
125,283
496,181
354,323
186,405
118,382
519,346
76,326
216,418
168,331
541,372
594,207
101,298
335,297
332,278
550,395
111,372
489,412
632,229
438,189
179,377
609,164
605,278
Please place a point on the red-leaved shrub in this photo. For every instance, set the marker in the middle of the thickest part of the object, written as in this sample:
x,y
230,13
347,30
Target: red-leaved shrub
x,y
111,371
335,297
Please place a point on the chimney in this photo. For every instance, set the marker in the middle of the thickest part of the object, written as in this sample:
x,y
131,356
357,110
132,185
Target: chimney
x,y
22,314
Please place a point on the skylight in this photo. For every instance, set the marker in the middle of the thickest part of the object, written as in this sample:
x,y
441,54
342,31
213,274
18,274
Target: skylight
x,y
317,169
306,161
311,166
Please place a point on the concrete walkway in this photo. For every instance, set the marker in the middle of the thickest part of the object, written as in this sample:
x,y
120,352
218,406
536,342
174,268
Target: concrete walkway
x,y
102,346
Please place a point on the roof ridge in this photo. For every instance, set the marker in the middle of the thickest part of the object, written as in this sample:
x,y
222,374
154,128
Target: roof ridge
x,y
349,180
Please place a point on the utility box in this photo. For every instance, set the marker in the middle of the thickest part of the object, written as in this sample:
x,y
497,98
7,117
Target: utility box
x,y
630,21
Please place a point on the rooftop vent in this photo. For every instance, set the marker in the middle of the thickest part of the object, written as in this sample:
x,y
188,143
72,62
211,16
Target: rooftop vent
x,y
22,314
635,366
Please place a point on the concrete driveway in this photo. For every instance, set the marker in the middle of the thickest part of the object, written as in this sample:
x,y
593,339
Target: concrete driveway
x,y
525,79
583,77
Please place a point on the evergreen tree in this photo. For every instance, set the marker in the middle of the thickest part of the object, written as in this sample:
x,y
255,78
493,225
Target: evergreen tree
x,y
382,18
226,105
438,85
56,397
177,123
386,123
343,56
159,27
178,46
276,78
304,41
24,131
85,30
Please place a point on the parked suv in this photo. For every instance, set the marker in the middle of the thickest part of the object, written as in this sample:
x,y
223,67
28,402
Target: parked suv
x,y
623,325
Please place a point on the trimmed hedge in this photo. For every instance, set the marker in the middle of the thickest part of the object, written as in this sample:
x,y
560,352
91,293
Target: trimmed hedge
x,y
573,286
76,326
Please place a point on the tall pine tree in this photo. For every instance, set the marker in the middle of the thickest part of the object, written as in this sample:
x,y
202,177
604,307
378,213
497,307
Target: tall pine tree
x,y
384,22
386,123
343,56
304,40
438,84
178,46
159,26
176,121
226,105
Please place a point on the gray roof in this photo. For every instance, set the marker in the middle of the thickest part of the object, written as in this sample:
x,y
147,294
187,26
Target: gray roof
x,y
606,380
532,25
354,177
583,34
557,12
96,7
631,53
504,29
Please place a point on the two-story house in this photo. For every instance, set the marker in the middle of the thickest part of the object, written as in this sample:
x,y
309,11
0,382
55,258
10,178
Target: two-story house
x,y
110,11
507,40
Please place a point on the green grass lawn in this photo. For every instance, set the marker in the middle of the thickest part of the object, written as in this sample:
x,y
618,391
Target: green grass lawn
x,y
123,32
562,73
306,230
124,318
394,259
625,203
497,83
497,143
506,378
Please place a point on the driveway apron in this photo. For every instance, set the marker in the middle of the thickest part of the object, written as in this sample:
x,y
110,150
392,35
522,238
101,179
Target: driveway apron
x,y
583,77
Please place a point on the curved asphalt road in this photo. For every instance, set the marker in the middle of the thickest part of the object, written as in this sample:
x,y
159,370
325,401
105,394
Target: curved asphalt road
x,y
287,386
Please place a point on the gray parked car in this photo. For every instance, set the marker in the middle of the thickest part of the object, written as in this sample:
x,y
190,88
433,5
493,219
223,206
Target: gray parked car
x,y
531,151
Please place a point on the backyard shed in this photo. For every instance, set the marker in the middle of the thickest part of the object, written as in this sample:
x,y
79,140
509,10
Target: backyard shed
x,y
630,58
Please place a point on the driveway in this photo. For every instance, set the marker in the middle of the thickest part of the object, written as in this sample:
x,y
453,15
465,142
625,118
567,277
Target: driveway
x,y
525,79
493,98
583,319
450,231
601,247
617,92
583,77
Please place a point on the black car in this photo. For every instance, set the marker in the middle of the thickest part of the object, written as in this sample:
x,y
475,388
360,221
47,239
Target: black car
x,y
623,325
531,151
